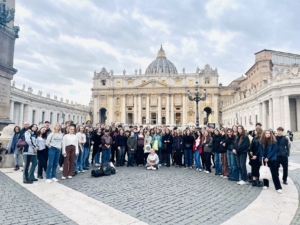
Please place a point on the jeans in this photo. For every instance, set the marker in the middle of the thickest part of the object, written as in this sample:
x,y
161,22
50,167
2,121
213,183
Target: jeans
x,y
130,159
78,161
197,159
53,157
159,154
16,159
188,157
97,158
86,154
27,159
234,173
284,161
218,163
168,159
121,151
241,163
105,156
42,156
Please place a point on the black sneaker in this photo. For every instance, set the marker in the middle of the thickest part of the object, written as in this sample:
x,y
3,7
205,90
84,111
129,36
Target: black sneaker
x,y
86,168
284,182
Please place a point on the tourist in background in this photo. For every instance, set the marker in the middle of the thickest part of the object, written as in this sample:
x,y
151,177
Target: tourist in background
x,y
87,148
241,148
12,147
223,153
267,155
254,157
283,152
106,142
177,146
187,143
42,153
69,150
47,126
121,143
291,135
24,129
207,145
54,143
132,146
29,154
157,144
140,148
198,150
216,148
168,141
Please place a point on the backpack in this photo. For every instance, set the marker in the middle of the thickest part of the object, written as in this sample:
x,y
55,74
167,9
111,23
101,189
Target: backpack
x,y
97,173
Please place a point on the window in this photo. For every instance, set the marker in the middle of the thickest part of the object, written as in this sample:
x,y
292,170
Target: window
x,y
74,119
191,82
57,118
207,80
274,58
118,83
287,60
177,99
118,101
178,81
144,100
43,117
77,119
163,81
69,117
130,100
153,99
51,115
103,99
130,83
33,116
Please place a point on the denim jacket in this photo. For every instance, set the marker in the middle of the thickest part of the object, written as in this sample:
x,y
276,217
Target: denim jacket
x,y
158,138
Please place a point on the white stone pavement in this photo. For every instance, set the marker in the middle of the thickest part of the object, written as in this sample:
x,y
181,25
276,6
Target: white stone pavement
x,y
269,207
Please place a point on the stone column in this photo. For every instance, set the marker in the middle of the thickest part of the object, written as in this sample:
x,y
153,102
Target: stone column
x,y
147,110
124,110
21,115
263,113
12,107
111,108
135,116
168,110
276,112
271,118
286,110
184,109
172,109
159,109
139,120
298,113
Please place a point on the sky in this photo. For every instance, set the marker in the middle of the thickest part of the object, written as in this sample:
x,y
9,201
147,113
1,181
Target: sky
x,y
61,43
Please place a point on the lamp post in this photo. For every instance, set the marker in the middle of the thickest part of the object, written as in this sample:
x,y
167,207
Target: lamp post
x,y
197,99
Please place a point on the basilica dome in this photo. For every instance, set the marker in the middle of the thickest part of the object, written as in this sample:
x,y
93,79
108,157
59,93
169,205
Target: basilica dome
x,y
161,64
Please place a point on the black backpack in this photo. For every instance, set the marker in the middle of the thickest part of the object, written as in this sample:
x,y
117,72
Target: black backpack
x,y
97,173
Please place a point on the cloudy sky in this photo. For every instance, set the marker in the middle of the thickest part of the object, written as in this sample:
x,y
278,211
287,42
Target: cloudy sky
x,y
63,42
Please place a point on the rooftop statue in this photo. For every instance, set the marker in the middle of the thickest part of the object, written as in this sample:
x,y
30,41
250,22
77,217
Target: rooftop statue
x,y
6,14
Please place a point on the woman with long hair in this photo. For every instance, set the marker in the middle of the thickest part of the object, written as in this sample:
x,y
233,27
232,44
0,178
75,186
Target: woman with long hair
x,y
168,141
241,148
12,147
89,133
223,152
54,143
140,148
267,155
29,155
177,145
198,150
254,157
207,149
235,130
69,151
42,153
157,144
148,141
78,165
216,148
188,142
234,172
97,146
121,143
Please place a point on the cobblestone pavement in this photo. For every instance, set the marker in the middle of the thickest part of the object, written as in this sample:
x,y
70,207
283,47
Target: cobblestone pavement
x,y
168,196
20,206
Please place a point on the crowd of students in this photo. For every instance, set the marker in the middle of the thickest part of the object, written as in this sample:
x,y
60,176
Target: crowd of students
x,y
225,149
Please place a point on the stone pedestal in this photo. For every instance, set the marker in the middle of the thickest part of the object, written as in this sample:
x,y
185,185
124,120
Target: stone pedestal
x,y
7,161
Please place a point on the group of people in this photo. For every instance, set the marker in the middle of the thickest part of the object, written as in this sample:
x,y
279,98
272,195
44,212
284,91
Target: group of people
x,y
225,149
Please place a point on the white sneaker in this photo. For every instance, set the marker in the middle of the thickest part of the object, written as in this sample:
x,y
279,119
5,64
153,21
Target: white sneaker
x,y
63,178
54,179
197,169
279,191
159,164
265,188
153,168
225,177
48,181
200,170
82,171
221,176
61,168
70,177
149,168
241,182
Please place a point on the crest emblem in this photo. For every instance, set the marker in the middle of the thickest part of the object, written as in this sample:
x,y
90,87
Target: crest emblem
x,y
153,83
295,70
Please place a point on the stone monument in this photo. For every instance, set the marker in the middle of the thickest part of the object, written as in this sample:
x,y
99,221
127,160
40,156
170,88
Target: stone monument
x,y
8,35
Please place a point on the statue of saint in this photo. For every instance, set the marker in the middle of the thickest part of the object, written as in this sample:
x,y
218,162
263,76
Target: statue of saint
x,y
140,71
124,72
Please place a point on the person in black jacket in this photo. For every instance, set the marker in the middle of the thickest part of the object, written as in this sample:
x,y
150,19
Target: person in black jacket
x,y
97,147
87,148
254,158
168,141
223,153
234,172
187,144
177,145
216,145
121,142
241,148
283,152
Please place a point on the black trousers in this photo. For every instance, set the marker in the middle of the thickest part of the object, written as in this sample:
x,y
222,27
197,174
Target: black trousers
x,y
207,156
274,172
203,160
255,165
29,158
113,153
140,155
283,160
178,157
61,159
42,156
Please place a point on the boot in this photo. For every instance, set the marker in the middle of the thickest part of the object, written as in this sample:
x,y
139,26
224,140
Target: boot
x,y
28,181
259,183
16,168
254,183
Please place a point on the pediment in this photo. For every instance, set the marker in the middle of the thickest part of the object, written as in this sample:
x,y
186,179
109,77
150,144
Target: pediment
x,y
153,84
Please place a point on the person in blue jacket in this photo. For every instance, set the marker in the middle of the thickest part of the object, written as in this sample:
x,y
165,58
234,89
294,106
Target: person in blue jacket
x,y
267,155
157,137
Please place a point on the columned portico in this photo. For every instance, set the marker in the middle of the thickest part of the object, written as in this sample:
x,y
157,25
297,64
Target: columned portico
x,y
168,110
147,110
12,106
124,108
139,108
159,109
135,120
264,115
172,110
184,109
276,112
271,123
298,113
286,110
21,113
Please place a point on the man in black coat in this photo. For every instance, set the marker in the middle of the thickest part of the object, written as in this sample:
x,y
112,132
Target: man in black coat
x,y
283,152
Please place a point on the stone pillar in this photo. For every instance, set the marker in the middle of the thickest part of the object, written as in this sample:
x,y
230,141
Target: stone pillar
x,y
184,109
12,106
298,113
147,110
263,113
159,109
271,118
135,116
21,115
286,110
276,112
172,109
96,110
139,109
124,110
168,110
111,108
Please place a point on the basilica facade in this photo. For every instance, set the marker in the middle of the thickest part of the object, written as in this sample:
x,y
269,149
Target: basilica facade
x,y
156,97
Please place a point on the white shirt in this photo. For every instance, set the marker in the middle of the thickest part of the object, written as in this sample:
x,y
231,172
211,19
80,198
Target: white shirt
x,y
41,143
70,139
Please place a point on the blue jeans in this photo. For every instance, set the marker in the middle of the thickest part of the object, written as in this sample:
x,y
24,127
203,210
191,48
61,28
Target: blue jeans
x,y
16,159
218,163
33,160
188,157
53,157
159,154
86,154
130,159
234,173
120,156
105,156
97,158
78,161
197,157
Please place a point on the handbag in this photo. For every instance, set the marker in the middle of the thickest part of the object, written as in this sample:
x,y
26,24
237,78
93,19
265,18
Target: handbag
x,y
155,145
147,149
22,143
265,172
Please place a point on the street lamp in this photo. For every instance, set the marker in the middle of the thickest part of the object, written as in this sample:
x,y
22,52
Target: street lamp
x,y
197,99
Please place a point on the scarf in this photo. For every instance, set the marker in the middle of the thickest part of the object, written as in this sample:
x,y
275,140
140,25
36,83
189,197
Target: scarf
x,y
14,141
